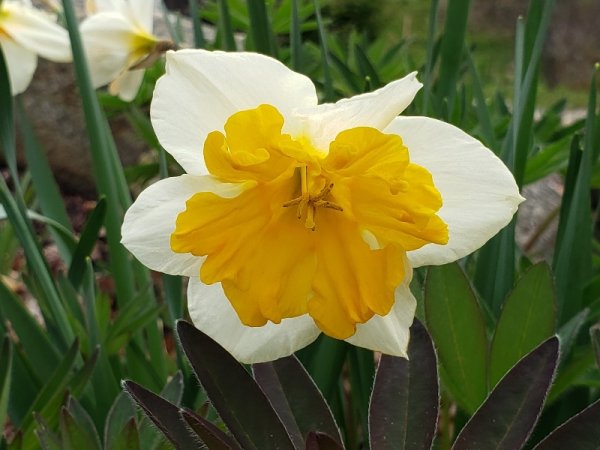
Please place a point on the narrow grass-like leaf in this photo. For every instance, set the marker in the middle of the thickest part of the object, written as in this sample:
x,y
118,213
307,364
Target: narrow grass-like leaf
x,y
326,376
51,395
431,39
507,417
260,27
483,113
573,254
48,440
404,406
225,28
7,135
80,379
17,215
235,395
451,51
457,327
5,375
528,318
199,41
595,337
46,189
87,241
164,415
580,432
106,165
213,437
327,79
321,441
295,37
361,367
41,353
296,399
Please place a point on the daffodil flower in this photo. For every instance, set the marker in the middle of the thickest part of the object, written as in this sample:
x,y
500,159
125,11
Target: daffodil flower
x,y
296,218
119,44
25,33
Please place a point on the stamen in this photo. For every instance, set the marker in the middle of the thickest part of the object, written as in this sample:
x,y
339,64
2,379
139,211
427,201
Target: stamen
x,y
310,203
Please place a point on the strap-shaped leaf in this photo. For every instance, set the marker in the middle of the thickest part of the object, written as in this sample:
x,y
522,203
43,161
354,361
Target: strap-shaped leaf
x,y
581,432
164,415
528,318
5,373
507,417
405,401
457,327
296,398
321,441
210,434
235,395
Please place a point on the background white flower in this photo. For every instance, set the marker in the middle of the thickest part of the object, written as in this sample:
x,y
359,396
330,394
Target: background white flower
x,y
119,41
25,33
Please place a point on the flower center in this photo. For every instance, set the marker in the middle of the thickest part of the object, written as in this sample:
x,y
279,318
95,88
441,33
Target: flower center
x,y
308,203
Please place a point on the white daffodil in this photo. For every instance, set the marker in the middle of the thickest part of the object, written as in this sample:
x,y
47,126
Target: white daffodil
x,y
25,33
119,44
303,218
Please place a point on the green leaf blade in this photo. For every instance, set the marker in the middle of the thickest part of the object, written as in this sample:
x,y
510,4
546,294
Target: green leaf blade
x,y
528,318
457,327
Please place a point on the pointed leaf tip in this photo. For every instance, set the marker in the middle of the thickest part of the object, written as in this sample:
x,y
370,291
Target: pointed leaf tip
x,y
296,398
164,415
321,441
579,432
233,392
507,417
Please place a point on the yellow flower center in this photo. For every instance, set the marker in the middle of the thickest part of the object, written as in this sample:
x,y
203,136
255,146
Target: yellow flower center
x,y
316,233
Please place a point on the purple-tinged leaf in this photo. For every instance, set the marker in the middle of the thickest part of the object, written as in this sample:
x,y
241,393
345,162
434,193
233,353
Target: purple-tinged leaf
x,y
321,441
580,432
296,398
209,433
405,400
240,402
164,415
506,418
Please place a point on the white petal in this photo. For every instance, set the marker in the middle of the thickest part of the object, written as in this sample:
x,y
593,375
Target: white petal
x,y
479,193
36,31
389,334
149,222
374,109
142,11
106,37
202,89
212,314
21,64
127,85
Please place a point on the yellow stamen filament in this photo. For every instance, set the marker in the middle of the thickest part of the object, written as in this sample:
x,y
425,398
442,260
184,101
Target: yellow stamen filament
x,y
310,203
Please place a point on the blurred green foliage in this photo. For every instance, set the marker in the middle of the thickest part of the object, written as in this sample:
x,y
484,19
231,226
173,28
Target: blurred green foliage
x,y
60,368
